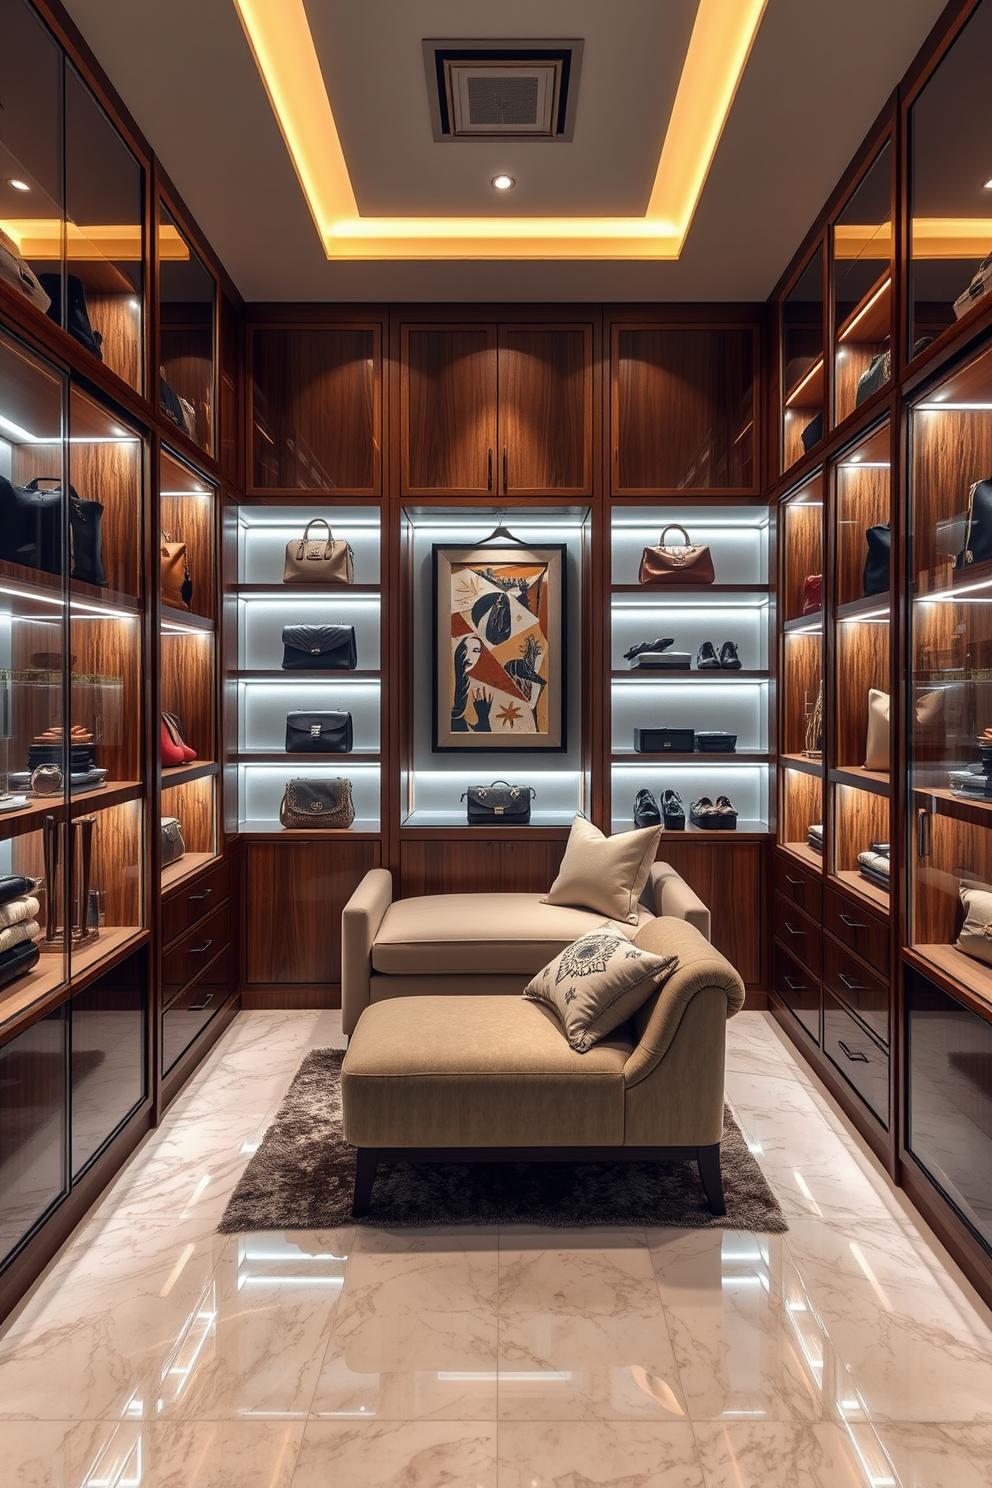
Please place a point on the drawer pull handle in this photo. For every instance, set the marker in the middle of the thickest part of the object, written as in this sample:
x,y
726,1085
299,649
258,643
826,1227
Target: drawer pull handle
x,y
857,1057
205,895
851,986
796,883
853,924
792,929
199,1007
794,986
199,950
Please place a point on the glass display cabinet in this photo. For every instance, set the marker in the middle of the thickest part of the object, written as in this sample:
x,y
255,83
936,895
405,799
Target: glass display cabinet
x,y
801,728
802,371
187,293
862,290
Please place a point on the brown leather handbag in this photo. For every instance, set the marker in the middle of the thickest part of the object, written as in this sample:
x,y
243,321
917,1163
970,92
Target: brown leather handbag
x,y
177,586
321,804
323,561
666,565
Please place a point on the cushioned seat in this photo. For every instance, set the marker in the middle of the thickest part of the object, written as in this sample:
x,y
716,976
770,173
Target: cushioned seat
x,y
475,934
498,1074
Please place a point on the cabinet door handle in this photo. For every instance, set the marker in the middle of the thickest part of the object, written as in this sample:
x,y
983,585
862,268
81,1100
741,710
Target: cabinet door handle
x,y
794,986
198,1007
205,895
853,924
199,950
489,478
505,481
851,986
924,840
796,883
857,1057
792,929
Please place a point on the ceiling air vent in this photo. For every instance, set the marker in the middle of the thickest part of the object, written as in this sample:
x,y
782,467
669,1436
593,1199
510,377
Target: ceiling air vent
x,y
502,89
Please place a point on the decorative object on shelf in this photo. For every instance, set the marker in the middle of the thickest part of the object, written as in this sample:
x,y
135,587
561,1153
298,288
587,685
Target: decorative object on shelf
x,y
978,288
876,376
77,320
729,659
978,531
175,750
662,661
76,837
604,874
812,593
877,742
18,961
14,271
643,647
873,864
984,748
814,726
814,836
31,529
664,565
707,659
176,583
672,811
876,576
646,812
310,560
664,740
319,648
715,741
597,983
48,748
319,733
971,782
46,780
499,642
813,433
499,804
174,408
975,935
714,816
323,804
173,846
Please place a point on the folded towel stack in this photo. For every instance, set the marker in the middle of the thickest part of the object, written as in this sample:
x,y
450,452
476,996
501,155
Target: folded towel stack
x,y
19,925
814,836
873,864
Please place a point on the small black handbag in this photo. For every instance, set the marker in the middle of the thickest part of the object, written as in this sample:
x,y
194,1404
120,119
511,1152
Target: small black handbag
x,y
319,648
876,574
499,804
878,373
664,740
319,733
173,846
77,320
714,741
978,532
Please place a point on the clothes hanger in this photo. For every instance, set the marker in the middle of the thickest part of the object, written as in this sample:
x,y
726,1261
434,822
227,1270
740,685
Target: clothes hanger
x,y
500,531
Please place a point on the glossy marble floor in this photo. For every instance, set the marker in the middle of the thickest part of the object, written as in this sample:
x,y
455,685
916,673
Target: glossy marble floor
x,y
155,1352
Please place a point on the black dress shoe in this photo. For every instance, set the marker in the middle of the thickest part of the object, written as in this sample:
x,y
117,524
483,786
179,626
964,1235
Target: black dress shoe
x,y
661,645
646,813
729,660
703,813
673,811
706,658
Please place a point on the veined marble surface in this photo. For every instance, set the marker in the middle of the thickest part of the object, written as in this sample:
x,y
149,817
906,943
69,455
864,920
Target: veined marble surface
x,y
158,1354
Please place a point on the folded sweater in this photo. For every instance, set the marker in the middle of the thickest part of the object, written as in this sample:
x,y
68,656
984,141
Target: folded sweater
x,y
25,930
16,910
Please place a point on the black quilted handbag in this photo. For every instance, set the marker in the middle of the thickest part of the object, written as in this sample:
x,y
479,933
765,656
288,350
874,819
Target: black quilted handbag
x,y
31,529
319,648
876,575
499,804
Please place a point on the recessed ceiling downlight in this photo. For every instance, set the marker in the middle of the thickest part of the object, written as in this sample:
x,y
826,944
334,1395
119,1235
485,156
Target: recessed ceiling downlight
x,y
503,183
18,185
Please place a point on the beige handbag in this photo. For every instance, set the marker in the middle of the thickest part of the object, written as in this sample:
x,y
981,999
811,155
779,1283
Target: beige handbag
x,y
877,743
309,561
177,586
666,565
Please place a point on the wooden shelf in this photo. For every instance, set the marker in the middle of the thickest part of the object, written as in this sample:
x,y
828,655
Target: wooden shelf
x,y
698,757
807,393
972,809
363,828
454,821
855,609
46,981
282,757
182,774
186,619
665,595
745,831
804,853
810,624
854,883
30,817
646,675
278,675
974,976
37,581
874,781
326,592
871,316
185,867
801,763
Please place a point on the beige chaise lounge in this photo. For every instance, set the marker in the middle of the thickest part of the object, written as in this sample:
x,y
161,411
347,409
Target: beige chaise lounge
x,y
491,1078
472,943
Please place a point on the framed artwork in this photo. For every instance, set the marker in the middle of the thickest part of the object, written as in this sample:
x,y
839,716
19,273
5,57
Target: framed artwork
x,y
499,648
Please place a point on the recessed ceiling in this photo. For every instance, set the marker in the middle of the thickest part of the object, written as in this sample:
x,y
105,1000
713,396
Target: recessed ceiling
x,y
815,80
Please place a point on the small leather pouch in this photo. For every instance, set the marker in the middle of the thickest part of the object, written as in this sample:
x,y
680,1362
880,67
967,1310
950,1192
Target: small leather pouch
x,y
322,804
319,733
712,741
319,648
499,804
664,740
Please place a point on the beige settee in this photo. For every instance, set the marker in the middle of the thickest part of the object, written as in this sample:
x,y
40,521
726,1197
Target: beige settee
x,y
491,1078
472,943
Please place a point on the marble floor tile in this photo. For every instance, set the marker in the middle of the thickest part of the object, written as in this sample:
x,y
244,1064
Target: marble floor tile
x,y
597,1454
397,1454
929,1455
195,1454
778,1454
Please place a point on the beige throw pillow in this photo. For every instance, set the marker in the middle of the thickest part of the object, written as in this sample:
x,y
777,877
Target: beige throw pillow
x,y
877,743
597,983
605,874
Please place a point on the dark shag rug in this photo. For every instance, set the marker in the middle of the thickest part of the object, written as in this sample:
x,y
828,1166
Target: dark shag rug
x,y
302,1178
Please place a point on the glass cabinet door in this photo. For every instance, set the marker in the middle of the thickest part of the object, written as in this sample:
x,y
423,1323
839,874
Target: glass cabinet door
x,y
187,342
31,194
800,822
802,363
862,288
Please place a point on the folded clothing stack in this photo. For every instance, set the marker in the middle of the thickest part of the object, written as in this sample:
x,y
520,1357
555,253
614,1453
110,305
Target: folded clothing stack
x,y
970,782
873,864
814,836
19,925
48,746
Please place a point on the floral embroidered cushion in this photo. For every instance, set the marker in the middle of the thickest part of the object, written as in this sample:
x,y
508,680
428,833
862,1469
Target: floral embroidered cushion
x,y
597,983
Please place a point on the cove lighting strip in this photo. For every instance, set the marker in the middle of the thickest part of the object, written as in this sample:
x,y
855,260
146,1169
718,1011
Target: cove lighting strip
x,y
282,44
123,242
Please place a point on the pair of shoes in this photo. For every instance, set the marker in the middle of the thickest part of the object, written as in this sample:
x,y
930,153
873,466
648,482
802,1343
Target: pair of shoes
x,y
709,660
660,645
646,813
715,816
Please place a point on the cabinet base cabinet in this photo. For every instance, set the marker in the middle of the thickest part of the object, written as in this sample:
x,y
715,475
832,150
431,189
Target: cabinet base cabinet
x,y
799,990
188,1014
730,878
863,1063
296,891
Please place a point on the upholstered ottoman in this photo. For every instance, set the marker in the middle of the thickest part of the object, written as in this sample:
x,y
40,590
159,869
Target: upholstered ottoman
x,y
492,1079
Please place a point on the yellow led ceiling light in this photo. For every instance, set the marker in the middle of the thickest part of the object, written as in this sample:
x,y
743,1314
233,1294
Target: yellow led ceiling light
x,y
721,41
41,238
933,237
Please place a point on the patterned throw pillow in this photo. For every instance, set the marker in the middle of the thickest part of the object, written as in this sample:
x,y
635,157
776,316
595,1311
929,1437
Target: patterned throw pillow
x,y
597,983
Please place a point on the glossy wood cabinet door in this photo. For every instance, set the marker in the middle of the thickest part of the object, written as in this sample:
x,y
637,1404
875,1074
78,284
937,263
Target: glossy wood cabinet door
x,y
448,410
478,866
296,892
545,410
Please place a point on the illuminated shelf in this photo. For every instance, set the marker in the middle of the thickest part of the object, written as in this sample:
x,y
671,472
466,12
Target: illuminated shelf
x,y
871,316
697,757
875,782
183,774
363,827
186,620
801,763
646,675
811,624
973,809
326,592
807,392
37,582
278,675
746,831
308,757
29,818
805,854
974,976
869,604
666,594
185,867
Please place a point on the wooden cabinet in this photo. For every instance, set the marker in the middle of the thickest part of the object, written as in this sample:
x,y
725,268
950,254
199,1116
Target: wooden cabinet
x,y
296,892
490,410
478,865
729,877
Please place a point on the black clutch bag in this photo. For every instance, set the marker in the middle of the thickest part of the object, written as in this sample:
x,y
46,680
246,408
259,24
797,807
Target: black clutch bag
x,y
664,740
875,579
499,804
17,961
712,741
319,648
319,733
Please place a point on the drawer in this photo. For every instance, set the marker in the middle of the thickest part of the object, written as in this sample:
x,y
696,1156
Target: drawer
x,y
798,990
188,1015
190,903
189,956
800,935
863,1063
855,985
857,928
804,889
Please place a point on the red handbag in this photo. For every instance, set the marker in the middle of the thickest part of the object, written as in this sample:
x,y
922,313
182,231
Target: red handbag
x,y
812,593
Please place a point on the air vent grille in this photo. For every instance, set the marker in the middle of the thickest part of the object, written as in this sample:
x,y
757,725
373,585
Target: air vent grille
x,y
507,100
502,90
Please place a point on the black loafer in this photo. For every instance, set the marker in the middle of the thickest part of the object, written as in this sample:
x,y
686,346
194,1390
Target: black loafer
x,y
729,660
727,812
706,658
703,813
673,811
646,813
660,645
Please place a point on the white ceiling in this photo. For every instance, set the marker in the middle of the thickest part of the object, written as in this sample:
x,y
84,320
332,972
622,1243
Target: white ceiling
x,y
816,79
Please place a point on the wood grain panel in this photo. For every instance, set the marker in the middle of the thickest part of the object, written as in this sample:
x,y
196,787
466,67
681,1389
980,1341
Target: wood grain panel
x,y
803,657
852,361
803,546
860,818
448,410
862,502
862,663
545,410
729,877
190,519
959,851
802,804
117,861
296,892
186,338
106,695
118,319
187,670
951,451
316,409
192,804
683,409
478,867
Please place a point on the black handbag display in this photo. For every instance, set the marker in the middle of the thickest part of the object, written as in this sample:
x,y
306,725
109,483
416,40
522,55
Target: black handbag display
x,y
319,733
876,575
813,433
31,529
77,321
713,741
319,648
664,740
878,373
978,532
499,804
